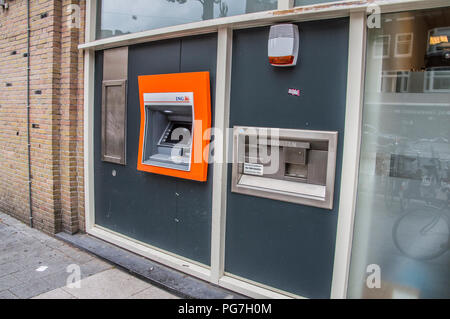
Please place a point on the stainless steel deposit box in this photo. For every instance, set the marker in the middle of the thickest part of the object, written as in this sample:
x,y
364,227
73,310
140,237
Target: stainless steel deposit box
x,y
295,166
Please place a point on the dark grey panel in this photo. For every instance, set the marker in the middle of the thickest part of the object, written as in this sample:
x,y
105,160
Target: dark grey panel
x,y
284,245
169,213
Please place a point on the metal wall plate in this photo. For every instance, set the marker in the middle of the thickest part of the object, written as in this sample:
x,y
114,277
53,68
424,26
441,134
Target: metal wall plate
x,y
114,105
307,166
114,121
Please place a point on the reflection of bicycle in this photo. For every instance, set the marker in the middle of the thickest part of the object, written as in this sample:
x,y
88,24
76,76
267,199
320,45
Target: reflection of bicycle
x,y
403,181
424,233
390,188
412,173
404,195
420,186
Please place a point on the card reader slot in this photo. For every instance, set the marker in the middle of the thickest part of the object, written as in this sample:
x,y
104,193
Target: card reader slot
x,y
176,133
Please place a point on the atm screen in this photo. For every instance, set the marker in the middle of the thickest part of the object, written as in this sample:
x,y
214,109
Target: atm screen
x,y
177,132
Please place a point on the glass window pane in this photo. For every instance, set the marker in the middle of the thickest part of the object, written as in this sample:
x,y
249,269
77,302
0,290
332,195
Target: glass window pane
x,y
116,17
299,3
401,245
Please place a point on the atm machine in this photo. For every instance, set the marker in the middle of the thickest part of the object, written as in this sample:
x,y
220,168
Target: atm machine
x,y
175,123
296,166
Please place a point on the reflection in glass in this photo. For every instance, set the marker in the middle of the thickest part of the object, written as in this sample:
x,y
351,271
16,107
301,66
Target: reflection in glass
x,y
402,219
116,17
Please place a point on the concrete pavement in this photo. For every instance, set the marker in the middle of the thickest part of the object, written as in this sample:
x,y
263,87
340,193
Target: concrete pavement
x,y
35,265
109,284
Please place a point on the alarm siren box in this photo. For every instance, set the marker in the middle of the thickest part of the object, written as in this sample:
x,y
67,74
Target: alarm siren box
x,y
283,45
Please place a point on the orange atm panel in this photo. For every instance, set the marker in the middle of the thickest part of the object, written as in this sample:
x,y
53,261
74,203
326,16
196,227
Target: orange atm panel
x,y
175,122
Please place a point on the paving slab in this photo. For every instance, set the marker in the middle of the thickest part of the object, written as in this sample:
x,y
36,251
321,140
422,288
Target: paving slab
x,y
93,267
153,293
31,288
7,295
9,268
55,294
59,279
110,284
9,281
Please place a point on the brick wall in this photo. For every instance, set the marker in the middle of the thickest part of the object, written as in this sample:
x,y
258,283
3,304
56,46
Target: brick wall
x,y
56,114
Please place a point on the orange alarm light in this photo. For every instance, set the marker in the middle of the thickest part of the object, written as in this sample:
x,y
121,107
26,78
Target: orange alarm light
x,y
281,60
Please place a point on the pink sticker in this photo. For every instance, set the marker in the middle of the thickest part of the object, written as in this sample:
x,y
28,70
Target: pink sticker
x,y
294,92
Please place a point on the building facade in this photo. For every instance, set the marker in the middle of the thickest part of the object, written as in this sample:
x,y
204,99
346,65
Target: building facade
x,y
56,114
361,210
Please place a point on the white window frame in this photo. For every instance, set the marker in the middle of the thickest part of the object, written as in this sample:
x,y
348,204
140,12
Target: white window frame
x,y
351,153
356,11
